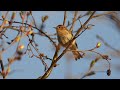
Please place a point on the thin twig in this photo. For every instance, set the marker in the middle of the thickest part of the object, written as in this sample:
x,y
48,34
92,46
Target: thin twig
x,y
4,21
38,30
106,13
2,66
33,19
47,73
73,22
65,16
80,29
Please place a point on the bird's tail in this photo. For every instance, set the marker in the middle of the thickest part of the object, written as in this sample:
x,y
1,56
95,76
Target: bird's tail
x,y
77,55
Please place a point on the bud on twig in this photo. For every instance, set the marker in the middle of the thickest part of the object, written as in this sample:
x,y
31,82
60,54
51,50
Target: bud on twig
x,y
6,22
98,45
29,32
106,57
21,47
17,38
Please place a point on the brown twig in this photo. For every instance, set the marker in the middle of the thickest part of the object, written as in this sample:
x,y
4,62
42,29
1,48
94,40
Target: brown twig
x,y
73,22
47,73
80,29
33,19
4,20
65,16
106,13
38,30
2,66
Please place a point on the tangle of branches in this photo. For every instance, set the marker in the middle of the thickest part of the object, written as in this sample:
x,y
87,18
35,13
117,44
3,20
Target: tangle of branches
x,y
28,30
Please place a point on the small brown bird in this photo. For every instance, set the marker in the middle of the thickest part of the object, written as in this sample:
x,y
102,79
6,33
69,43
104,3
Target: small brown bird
x,y
64,36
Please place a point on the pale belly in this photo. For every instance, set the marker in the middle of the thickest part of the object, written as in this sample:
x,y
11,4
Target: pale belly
x,y
64,40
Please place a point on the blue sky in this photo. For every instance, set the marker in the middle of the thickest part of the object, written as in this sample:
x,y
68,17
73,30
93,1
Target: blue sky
x,y
32,68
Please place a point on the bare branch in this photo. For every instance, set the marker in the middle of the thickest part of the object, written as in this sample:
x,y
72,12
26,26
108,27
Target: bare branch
x,y
4,21
80,29
47,73
33,19
73,22
2,66
38,30
106,13
65,16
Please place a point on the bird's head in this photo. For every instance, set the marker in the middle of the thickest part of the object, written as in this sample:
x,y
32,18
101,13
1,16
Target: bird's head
x,y
60,27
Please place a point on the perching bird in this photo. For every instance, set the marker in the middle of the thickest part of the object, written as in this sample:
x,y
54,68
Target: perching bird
x,y
64,36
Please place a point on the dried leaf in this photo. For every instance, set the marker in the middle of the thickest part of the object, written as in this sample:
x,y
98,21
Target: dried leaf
x,y
108,72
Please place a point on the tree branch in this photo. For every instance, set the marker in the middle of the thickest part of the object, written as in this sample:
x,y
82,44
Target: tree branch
x,y
80,29
37,29
73,22
65,16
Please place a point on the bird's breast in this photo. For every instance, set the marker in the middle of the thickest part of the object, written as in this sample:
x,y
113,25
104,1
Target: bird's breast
x,y
64,37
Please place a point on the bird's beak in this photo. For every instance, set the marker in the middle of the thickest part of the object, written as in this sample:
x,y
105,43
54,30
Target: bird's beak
x,y
54,27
